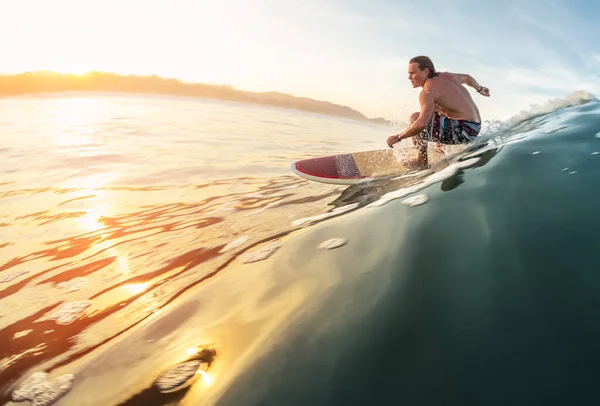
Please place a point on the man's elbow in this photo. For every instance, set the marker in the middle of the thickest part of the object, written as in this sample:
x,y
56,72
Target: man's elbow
x,y
468,79
419,125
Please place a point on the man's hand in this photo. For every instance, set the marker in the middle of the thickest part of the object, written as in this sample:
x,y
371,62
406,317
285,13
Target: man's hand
x,y
484,91
392,140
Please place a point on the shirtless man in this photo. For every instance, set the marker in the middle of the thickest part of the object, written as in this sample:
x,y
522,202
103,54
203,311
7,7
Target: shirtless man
x,y
448,114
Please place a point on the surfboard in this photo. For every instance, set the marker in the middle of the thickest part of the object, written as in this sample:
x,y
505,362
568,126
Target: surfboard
x,y
357,167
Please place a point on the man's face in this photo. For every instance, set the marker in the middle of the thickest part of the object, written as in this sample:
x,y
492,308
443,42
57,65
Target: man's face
x,y
415,75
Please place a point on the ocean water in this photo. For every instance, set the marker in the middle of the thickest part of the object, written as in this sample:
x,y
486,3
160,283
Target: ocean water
x,y
139,233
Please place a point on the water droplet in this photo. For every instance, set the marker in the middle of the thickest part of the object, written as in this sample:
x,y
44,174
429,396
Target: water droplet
x,y
416,200
333,243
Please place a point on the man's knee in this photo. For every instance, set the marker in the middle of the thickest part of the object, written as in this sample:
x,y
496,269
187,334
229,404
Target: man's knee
x,y
414,117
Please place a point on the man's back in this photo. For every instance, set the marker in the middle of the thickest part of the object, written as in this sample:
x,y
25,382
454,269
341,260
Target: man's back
x,y
451,98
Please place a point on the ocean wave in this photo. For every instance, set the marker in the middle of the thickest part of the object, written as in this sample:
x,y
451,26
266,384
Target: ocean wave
x,y
573,99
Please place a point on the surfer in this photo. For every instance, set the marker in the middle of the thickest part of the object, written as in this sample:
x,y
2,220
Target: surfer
x,y
448,114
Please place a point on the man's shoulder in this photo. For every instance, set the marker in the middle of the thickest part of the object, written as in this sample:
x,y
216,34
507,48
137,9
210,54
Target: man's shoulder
x,y
447,75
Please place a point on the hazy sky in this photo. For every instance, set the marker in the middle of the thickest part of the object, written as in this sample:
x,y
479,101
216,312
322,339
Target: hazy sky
x,y
352,52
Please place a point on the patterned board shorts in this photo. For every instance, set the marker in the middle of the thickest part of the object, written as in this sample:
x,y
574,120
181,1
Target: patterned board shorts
x,y
450,131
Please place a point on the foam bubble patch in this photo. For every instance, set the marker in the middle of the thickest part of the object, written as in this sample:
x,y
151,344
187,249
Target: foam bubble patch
x,y
69,312
262,253
234,244
416,200
41,390
333,243
176,377
73,285
268,206
13,276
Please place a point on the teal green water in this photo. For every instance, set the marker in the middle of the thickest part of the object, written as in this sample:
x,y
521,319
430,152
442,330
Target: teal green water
x,y
490,294
487,293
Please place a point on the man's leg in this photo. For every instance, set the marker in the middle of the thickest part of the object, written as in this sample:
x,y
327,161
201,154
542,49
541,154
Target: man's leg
x,y
420,142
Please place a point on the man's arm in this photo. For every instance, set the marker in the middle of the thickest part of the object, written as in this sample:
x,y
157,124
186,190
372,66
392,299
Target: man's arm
x,y
470,81
425,115
427,110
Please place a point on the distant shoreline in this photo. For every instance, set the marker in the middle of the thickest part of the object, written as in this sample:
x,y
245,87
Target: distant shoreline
x,y
50,82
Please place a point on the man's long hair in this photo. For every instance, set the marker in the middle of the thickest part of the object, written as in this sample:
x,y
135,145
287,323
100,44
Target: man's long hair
x,y
424,62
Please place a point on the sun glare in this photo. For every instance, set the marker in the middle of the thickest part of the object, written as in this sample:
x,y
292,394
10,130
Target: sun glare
x,y
90,222
191,351
206,377
136,288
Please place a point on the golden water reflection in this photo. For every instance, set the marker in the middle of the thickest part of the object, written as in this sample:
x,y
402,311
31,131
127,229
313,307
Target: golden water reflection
x,y
137,288
133,251
206,377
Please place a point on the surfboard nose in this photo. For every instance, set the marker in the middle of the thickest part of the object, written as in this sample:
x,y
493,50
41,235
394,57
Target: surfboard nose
x,y
337,167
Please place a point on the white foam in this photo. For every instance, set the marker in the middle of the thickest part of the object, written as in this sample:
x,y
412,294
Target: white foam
x,y
572,172
597,135
262,253
20,334
595,153
536,152
272,204
408,175
440,176
565,169
234,244
42,390
333,243
335,212
73,285
576,98
69,312
175,377
13,276
416,200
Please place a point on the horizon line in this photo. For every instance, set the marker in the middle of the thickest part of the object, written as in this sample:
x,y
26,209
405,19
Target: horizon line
x,y
164,78
230,87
